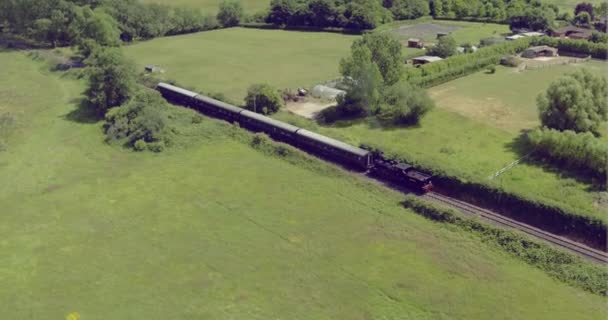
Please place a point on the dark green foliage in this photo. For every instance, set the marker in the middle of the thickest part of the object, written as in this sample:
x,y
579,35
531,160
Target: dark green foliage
x,y
407,9
140,123
577,102
563,266
445,47
599,37
582,19
385,53
355,14
492,69
230,13
404,104
111,79
264,99
511,61
578,151
533,18
464,64
585,7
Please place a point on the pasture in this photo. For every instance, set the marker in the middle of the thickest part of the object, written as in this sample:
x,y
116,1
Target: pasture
x,y
230,60
212,6
507,99
217,229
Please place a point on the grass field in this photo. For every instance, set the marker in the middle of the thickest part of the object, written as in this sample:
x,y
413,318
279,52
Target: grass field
x,y
221,231
212,6
230,60
569,5
506,99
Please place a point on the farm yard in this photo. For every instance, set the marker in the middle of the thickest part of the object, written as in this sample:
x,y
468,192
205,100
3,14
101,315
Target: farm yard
x,y
230,60
211,6
506,99
196,232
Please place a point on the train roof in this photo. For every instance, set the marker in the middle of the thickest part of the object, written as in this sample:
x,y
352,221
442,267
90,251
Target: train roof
x,y
332,142
177,89
219,104
269,121
420,176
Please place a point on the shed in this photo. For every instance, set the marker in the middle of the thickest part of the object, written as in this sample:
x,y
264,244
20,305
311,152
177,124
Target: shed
x,y
424,60
571,32
152,68
532,34
415,43
325,92
539,51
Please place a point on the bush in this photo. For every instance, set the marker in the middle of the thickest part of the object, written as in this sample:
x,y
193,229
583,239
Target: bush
x,y
576,101
445,47
492,69
564,266
404,104
264,99
230,13
140,145
511,61
580,151
141,119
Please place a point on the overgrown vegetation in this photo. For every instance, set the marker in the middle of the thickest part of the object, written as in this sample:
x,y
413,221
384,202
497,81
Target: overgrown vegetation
x,y
564,266
582,152
373,75
230,13
264,99
445,47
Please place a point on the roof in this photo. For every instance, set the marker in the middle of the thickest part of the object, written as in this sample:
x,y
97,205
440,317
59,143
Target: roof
x,y
334,143
413,40
532,34
428,58
514,37
270,121
219,104
540,48
581,32
179,90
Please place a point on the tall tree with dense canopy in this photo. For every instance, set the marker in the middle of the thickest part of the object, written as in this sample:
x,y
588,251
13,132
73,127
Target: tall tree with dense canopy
x,y
445,47
575,102
111,79
231,13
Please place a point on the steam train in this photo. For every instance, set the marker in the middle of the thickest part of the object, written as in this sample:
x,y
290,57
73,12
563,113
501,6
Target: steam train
x,y
343,153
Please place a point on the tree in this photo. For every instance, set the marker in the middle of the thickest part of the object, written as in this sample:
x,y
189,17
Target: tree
x,y
385,53
404,104
445,47
262,98
407,9
140,123
583,19
111,79
575,102
584,7
231,13
323,13
364,81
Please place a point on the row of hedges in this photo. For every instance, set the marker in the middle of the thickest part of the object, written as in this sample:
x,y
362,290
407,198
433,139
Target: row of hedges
x,y
578,46
577,151
270,26
552,218
461,65
564,266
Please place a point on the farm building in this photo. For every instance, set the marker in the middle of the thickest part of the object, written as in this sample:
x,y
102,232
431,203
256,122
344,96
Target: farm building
x,y
540,51
424,60
415,43
571,32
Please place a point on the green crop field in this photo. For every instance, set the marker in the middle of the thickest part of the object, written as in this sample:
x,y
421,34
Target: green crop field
x,y
211,6
218,230
230,60
506,99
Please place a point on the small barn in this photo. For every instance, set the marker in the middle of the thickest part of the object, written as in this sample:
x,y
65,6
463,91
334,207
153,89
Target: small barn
x,y
571,32
424,60
539,51
415,43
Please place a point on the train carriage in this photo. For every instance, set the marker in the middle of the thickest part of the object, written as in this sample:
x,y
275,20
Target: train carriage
x,y
339,150
274,128
217,108
176,94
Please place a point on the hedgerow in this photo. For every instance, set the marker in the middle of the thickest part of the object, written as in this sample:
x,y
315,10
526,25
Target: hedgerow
x,y
579,46
564,266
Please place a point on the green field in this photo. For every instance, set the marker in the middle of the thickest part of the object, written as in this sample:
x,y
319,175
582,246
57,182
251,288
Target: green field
x,y
211,6
506,99
569,5
230,60
218,230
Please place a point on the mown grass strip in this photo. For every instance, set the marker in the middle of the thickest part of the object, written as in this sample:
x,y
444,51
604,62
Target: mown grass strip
x,y
563,266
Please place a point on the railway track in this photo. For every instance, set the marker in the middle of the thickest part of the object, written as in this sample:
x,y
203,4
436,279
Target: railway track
x,y
569,245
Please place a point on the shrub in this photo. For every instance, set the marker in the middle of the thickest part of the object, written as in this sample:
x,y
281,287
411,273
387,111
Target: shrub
x,y
140,145
445,47
141,119
576,101
492,69
404,104
230,13
579,151
511,61
262,98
